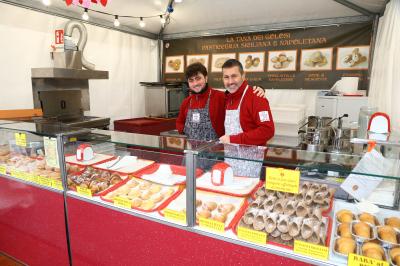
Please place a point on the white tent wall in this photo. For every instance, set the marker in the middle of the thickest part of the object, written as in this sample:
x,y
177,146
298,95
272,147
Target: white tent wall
x,y
25,44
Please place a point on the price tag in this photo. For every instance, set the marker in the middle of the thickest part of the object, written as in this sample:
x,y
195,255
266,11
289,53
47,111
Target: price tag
x,y
311,250
72,139
212,225
57,184
20,139
252,235
84,191
35,179
179,216
29,177
45,181
16,174
282,180
122,202
3,169
358,260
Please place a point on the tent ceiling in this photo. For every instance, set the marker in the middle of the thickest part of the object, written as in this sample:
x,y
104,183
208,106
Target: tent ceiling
x,y
204,15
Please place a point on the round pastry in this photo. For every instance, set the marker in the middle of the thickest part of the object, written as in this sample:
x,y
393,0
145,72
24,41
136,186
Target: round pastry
x,y
145,184
205,213
210,205
362,229
198,203
134,193
168,192
396,260
157,197
219,217
345,216
136,203
372,245
387,233
226,208
145,195
147,204
115,178
394,252
393,222
373,253
344,230
155,188
368,218
132,183
345,245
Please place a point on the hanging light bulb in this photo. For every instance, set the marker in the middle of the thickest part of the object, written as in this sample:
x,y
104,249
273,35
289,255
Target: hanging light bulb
x,y
85,15
142,24
116,21
46,2
178,1
162,19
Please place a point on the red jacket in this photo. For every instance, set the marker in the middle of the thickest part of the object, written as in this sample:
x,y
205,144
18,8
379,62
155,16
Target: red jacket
x,y
252,111
216,110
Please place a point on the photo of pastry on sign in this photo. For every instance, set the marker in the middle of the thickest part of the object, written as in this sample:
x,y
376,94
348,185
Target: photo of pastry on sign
x,y
252,62
219,59
174,64
316,59
282,60
197,58
352,58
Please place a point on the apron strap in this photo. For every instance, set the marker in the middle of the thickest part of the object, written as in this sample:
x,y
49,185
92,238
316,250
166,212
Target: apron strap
x,y
240,103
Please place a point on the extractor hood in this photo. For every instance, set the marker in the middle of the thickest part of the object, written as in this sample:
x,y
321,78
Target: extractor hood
x,y
68,73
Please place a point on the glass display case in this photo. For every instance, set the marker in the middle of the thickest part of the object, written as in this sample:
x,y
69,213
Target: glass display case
x,y
313,207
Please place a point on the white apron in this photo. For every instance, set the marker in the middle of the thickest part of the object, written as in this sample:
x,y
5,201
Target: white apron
x,y
241,167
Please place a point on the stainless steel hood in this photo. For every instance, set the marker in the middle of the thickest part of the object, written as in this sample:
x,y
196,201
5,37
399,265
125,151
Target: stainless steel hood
x,y
68,73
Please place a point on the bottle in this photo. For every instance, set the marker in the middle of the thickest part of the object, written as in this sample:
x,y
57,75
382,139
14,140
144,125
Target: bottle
x,y
363,119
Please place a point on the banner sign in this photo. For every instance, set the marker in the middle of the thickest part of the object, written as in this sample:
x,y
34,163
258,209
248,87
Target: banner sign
x,y
310,58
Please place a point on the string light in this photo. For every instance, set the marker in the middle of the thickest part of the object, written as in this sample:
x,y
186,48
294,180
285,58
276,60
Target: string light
x,y
142,24
85,15
116,21
46,2
178,1
162,19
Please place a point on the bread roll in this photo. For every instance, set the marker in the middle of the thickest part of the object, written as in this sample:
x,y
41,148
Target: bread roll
x,y
345,245
362,229
345,216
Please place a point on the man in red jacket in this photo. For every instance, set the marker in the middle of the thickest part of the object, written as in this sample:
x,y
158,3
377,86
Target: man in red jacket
x,y
202,114
248,119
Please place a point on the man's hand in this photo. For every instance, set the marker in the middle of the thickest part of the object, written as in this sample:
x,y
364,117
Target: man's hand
x,y
225,139
259,91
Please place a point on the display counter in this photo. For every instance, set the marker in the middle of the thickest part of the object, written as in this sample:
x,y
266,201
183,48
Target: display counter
x,y
158,199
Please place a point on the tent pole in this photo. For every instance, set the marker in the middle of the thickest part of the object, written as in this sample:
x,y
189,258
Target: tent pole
x,y
372,49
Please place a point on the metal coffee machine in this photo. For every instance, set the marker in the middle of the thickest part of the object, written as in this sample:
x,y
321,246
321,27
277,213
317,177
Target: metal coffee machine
x,y
319,134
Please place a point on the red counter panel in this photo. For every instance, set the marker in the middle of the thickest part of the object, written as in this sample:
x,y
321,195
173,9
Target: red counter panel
x,y
102,236
32,224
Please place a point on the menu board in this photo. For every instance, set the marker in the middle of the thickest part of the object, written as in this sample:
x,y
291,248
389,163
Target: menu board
x,y
310,58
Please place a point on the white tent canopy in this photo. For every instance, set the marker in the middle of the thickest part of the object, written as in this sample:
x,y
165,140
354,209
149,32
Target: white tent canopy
x,y
205,16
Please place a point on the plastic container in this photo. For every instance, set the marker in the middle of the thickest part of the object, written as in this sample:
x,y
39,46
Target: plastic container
x,y
363,119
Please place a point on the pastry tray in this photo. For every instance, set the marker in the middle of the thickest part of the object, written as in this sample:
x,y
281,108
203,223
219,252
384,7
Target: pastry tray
x,y
177,190
340,205
176,170
131,169
240,204
204,183
123,177
98,158
286,244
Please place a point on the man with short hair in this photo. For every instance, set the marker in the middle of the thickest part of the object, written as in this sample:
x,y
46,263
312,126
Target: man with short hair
x,y
248,119
202,114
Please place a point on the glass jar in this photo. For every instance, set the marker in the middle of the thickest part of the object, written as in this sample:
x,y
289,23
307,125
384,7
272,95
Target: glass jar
x,y
363,120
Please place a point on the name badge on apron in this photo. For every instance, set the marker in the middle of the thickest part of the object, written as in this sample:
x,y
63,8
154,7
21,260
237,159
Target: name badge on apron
x,y
196,117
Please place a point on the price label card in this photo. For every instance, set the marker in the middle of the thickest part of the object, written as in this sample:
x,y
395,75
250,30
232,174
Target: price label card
x,y
358,260
57,184
252,235
72,139
122,202
16,174
84,191
20,139
311,250
45,181
178,216
35,179
212,225
282,180
3,169
29,177
50,151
